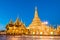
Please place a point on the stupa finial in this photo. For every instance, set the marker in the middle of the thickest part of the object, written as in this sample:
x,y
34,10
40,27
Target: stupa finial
x,y
10,21
36,12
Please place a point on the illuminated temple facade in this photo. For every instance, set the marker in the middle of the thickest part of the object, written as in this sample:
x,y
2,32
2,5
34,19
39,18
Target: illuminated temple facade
x,y
37,27
16,28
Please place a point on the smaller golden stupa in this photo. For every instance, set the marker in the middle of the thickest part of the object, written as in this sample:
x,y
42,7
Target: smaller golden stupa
x,y
16,28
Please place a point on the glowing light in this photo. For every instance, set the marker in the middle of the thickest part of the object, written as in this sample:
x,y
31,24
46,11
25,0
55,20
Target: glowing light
x,y
45,22
40,32
33,32
51,32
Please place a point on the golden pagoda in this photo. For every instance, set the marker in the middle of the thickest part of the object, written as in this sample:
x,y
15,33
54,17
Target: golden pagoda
x,y
37,27
36,21
57,31
16,28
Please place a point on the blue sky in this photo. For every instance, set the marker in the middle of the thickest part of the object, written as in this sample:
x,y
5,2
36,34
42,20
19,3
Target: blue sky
x,y
48,10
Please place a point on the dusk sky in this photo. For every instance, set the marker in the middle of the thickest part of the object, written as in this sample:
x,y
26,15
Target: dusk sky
x,y
48,10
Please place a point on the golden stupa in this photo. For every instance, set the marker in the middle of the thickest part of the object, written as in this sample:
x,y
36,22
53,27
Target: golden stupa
x,y
37,27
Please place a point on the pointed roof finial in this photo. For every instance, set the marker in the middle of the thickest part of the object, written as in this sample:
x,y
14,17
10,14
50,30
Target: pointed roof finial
x,y
36,12
10,21
35,7
17,20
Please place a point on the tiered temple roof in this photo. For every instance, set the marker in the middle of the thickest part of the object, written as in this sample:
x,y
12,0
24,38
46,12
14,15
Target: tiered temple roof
x,y
16,28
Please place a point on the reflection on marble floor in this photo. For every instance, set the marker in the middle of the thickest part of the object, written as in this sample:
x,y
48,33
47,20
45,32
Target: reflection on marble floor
x,y
10,37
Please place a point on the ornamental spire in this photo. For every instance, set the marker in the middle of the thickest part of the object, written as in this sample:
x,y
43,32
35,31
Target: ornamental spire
x,y
36,17
36,23
10,21
36,12
17,21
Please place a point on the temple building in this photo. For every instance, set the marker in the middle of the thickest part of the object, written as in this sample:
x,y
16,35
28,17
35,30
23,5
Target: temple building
x,y
38,27
16,28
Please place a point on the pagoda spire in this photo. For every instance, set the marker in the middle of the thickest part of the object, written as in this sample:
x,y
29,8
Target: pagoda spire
x,y
17,21
36,12
36,17
36,21
10,21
